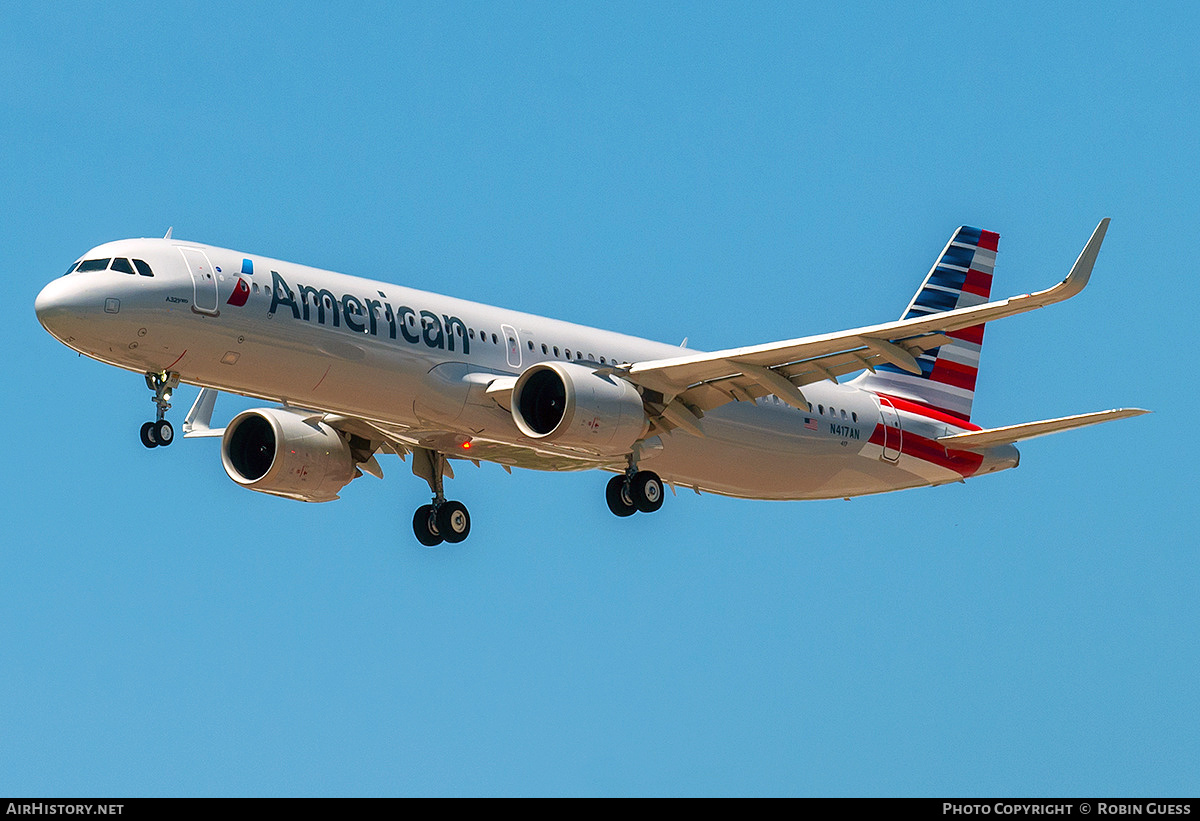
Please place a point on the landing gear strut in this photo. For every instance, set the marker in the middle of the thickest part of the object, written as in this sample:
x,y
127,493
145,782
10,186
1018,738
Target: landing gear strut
x,y
634,491
160,432
441,520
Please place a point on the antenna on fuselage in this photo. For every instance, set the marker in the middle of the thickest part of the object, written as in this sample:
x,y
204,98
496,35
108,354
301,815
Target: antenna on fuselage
x,y
168,234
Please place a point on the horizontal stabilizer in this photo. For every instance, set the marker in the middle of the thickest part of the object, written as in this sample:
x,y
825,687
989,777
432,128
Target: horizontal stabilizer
x,y
979,439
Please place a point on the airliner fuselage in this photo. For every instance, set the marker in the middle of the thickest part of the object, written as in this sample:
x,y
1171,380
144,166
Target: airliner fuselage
x,y
392,369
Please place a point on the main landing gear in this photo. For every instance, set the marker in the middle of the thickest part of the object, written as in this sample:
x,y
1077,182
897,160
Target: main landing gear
x,y
441,520
160,432
634,491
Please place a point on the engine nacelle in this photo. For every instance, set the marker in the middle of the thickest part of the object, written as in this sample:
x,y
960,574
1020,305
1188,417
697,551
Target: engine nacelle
x,y
570,405
273,450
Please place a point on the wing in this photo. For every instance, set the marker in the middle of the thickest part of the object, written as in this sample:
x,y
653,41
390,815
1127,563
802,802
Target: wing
x,y
683,388
389,438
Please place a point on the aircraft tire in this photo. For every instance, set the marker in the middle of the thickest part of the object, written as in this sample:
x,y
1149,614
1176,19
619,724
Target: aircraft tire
x,y
453,522
148,435
421,521
617,498
647,491
164,434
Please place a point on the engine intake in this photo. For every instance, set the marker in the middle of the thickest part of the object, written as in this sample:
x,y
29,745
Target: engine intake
x,y
276,451
571,406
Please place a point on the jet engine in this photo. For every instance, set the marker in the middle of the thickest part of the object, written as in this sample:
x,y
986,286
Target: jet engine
x,y
572,406
281,452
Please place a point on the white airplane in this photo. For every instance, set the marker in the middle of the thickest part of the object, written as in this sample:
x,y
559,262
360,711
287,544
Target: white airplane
x,y
360,367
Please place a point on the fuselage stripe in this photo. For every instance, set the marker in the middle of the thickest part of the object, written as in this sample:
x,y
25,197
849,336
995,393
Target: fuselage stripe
x,y
963,462
930,412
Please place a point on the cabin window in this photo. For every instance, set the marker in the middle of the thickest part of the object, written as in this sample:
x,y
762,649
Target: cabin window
x,y
602,360
556,350
843,413
495,340
531,344
821,409
545,350
471,333
854,416
94,264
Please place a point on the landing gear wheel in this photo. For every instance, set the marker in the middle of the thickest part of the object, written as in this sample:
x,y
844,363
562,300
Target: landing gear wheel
x,y
422,522
164,434
617,496
443,520
453,522
160,432
647,491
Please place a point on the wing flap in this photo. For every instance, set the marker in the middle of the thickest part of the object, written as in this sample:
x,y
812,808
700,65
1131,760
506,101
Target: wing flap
x,y
982,439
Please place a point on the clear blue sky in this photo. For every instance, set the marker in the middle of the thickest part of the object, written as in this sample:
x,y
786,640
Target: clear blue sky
x,y
730,173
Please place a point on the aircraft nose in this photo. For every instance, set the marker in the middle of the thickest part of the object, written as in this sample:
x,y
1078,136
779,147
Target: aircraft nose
x,y
57,305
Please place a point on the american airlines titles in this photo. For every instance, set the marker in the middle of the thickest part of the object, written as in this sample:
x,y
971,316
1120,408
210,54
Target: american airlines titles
x,y
362,315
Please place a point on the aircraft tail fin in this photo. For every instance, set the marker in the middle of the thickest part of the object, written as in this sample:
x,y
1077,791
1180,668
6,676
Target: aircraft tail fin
x,y
961,278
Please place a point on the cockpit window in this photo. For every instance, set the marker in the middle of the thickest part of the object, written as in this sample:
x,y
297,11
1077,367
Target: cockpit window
x,y
121,264
72,268
93,265
143,268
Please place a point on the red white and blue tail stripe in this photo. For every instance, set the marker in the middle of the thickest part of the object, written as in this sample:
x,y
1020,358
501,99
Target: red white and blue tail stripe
x,y
961,277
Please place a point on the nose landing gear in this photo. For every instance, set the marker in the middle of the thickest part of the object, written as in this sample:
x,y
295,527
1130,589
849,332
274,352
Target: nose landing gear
x,y
160,432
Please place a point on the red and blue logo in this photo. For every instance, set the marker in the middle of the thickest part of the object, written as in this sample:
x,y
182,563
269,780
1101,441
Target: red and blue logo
x,y
241,292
